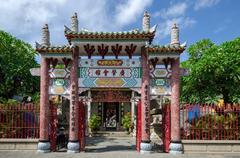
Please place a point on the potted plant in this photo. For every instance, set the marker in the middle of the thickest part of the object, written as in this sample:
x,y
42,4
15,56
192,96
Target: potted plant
x,y
95,123
127,122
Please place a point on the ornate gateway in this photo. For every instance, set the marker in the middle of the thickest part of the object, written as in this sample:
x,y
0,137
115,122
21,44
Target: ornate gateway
x,y
129,61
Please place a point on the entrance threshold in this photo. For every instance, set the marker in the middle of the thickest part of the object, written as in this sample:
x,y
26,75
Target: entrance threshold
x,y
112,134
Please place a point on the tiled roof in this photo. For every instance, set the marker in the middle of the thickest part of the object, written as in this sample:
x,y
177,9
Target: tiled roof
x,y
53,49
166,48
133,34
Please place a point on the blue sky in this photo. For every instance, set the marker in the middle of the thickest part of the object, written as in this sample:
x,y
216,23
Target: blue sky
x,y
197,19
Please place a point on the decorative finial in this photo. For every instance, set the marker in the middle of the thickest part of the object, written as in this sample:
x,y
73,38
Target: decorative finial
x,y
175,35
74,19
45,36
146,22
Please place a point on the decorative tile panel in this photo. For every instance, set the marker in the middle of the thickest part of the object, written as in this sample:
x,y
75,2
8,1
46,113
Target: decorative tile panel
x,y
110,73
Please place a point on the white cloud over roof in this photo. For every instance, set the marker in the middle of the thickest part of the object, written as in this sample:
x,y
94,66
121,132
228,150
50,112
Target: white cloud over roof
x,y
175,13
128,12
24,18
205,3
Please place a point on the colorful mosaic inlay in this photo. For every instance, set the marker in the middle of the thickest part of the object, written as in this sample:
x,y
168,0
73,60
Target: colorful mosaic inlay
x,y
110,73
160,87
59,82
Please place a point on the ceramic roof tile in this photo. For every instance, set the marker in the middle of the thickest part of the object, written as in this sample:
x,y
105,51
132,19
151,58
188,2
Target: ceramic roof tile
x,y
53,49
132,34
166,48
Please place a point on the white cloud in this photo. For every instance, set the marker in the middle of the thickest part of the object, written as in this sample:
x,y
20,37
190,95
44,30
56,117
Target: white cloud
x,y
176,13
24,18
205,3
176,10
129,11
165,27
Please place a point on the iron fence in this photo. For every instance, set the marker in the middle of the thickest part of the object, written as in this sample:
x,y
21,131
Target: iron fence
x,y
19,121
210,122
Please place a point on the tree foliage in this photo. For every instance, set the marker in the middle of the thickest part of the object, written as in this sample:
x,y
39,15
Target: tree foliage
x,y
214,72
16,58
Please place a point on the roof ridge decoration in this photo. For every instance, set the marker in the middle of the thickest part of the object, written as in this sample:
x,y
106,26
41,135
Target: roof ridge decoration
x,y
54,49
146,21
166,48
175,35
154,28
74,22
67,30
132,34
147,34
45,35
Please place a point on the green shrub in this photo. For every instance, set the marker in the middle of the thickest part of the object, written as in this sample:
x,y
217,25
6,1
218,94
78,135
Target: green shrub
x,y
127,122
95,123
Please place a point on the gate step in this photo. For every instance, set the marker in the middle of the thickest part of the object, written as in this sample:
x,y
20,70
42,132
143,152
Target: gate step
x,y
111,134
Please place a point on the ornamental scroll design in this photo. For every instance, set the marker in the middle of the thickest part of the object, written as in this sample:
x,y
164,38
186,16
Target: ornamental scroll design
x,y
104,49
116,50
130,50
89,49
111,96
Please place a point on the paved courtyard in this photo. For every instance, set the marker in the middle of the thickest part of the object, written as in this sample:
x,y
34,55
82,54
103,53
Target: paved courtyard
x,y
110,144
107,147
112,154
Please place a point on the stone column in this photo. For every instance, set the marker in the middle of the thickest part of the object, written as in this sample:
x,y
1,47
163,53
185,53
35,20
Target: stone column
x,y
145,146
175,145
73,144
44,145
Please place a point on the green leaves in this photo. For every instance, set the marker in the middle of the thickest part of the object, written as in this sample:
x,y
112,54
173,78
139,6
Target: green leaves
x,y
95,122
127,122
16,58
215,72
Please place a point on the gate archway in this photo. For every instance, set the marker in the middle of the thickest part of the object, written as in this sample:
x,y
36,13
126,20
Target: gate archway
x,y
136,68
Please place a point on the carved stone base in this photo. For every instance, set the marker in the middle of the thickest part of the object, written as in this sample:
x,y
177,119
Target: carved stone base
x,y
145,148
73,147
176,148
43,147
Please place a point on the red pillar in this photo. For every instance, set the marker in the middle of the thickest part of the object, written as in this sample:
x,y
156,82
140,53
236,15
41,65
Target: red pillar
x,y
73,144
145,100
175,145
44,145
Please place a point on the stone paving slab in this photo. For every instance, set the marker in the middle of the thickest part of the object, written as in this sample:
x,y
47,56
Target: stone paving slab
x,y
107,147
114,154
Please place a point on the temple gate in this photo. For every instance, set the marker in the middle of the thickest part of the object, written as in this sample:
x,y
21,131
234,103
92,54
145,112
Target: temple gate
x,y
115,70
